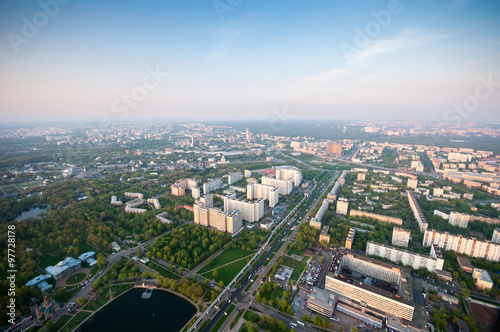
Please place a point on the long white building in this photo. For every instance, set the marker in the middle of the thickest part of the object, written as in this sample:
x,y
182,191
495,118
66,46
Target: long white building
x,y
269,193
322,210
287,172
366,298
284,186
251,211
467,246
417,211
396,255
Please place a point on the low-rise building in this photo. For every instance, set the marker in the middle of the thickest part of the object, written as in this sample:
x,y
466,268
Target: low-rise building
x,y
324,236
482,279
321,301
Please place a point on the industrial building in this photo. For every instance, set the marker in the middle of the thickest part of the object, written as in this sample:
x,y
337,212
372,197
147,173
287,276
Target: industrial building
x,y
321,301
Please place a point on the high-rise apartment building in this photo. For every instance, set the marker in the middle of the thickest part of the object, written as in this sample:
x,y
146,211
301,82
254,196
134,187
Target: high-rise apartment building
x,y
284,186
251,211
287,172
459,219
400,237
269,193
342,206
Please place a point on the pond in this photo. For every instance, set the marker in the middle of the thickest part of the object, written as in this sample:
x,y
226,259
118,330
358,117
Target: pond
x,y
163,311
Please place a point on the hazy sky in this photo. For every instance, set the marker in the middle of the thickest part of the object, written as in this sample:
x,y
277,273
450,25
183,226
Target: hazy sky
x,y
231,59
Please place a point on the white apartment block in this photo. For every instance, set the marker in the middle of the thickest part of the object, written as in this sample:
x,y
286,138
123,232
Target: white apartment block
x,y
251,211
284,186
322,210
155,202
115,201
400,237
137,195
467,246
412,183
407,258
269,193
287,172
459,219
233,177
441,214
212,185
206,215
438,192
342,206
417,211
496,236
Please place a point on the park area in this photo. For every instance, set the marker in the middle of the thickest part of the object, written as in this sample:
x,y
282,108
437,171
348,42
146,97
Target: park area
x,y
297,266
227,265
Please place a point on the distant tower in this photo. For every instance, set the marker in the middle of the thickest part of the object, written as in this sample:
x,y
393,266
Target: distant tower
x,y
84,169
248,135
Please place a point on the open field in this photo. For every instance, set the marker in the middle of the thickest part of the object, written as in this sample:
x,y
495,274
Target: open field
x,y
76,278
80,317
94,305
484,316
48,260
163,271
228,272
297,266
227,256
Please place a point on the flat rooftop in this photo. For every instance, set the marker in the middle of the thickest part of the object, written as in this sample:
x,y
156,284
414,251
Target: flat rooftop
x,y
401,292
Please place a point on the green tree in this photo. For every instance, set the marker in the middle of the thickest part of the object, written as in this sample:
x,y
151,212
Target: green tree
x,y
81,301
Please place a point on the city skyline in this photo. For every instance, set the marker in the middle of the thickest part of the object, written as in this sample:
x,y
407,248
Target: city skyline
x,y
219,60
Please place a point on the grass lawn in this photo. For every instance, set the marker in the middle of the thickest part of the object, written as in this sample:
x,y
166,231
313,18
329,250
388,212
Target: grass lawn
x,y
225,257
76,278
269,259
297,266
9,189
228,272
275,295
80,317
86,248
93,271
66,294
118,289
94,305
297,252
60,322
223,318
251,316
163,271
48,260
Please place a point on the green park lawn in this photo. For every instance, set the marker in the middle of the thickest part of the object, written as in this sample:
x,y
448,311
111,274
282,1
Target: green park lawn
x,y
228,272
79,317
48,260
297,266
76,278
227,256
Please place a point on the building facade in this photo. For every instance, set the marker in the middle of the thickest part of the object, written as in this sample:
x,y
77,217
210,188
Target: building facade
x,y
269,193
342,205
400,237
462,245
251,211
284,186
287,172
380,217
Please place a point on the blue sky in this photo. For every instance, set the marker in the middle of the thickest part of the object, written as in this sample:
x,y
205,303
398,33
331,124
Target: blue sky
x,y
231,59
